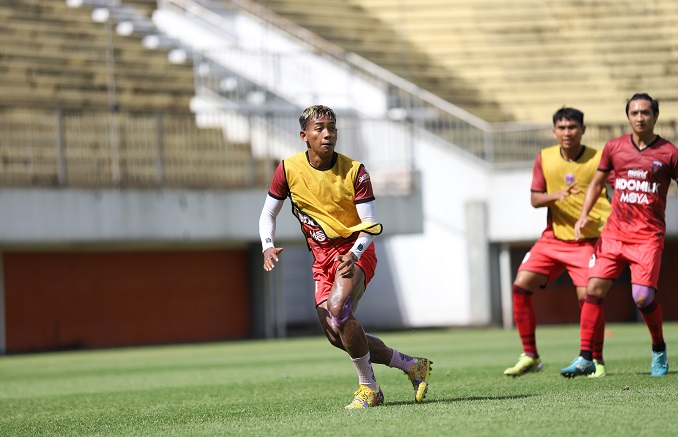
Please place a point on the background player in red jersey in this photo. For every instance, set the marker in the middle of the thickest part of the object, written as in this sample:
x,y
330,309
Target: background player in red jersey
x,y
643,165
560,175
332,198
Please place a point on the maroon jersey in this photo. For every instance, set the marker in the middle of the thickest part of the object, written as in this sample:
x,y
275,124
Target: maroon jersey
x,y
642,179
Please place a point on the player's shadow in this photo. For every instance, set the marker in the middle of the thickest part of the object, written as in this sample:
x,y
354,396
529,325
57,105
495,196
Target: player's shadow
x,y
641,373
617,374
464,399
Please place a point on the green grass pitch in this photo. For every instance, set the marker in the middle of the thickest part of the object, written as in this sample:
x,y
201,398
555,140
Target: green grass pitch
x,y
300,386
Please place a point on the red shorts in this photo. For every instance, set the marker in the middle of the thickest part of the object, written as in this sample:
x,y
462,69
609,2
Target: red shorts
x,y
612,256
550,257
324,271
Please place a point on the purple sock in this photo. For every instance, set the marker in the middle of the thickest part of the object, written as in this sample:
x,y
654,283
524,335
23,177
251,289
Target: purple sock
x,y
401,361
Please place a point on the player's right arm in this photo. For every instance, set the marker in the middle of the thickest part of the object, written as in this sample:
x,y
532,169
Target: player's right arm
x,y
540,196
592,195
267,221
540,200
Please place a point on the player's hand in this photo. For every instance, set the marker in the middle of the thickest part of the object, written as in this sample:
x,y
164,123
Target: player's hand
x,y
346,266
570,190
580,224
271,257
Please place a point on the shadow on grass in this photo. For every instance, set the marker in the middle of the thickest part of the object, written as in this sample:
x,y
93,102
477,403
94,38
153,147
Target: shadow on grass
x,y
617,373
465,399
644,373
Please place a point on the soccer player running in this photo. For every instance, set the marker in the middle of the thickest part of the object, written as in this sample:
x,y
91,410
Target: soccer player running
x,y
643,164
332,198
560,176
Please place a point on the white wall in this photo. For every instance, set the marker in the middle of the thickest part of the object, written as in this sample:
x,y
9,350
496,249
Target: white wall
x,y
512,217
57,216
429,282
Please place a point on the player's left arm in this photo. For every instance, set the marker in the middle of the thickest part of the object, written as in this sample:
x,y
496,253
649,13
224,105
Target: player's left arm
x,y
365,207
366,212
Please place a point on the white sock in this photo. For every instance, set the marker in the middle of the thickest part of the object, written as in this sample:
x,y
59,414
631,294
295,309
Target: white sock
x,y
401,361
365,373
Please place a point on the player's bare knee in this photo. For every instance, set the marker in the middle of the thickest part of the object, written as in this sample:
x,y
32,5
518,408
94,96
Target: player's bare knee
x,y
339,313
642,295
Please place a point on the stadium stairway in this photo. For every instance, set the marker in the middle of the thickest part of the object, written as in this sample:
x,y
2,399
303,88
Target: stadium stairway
x,y
355,29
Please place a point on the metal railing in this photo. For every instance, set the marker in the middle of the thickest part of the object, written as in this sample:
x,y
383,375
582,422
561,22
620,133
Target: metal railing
x,y
99,148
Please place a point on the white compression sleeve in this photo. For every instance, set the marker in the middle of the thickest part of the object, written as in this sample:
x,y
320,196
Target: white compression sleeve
x,y
366,212
269,213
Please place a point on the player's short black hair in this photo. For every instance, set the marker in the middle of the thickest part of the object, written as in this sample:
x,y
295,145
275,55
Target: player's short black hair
x,y
315,112
569,114
643,96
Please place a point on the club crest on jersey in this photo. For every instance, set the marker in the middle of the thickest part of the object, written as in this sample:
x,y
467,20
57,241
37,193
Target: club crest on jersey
x,y
569,178
656,166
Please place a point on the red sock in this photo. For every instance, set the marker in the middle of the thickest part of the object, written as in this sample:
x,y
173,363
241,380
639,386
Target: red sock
x,y
525,319
591,316
652,314
598,338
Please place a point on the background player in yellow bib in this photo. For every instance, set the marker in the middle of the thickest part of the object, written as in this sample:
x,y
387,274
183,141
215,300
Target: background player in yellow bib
x,y
332,198
560,177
